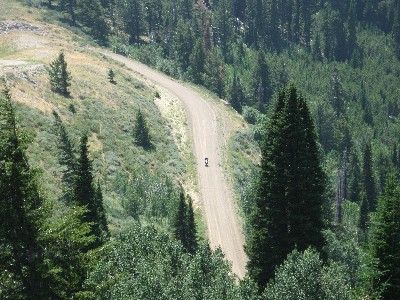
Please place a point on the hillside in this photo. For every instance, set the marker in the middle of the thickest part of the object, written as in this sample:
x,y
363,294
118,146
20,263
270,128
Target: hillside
x,y
295,104
105,110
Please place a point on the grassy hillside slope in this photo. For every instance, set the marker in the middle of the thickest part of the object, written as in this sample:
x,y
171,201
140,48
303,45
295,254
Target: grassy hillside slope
x,y
104,110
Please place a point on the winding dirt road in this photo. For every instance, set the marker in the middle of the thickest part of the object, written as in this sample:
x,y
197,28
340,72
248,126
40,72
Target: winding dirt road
x,y
206,125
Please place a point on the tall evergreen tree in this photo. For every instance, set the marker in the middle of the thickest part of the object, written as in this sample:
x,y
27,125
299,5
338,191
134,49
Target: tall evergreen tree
x,y
101,213
141,133
191,229
290,189
236,93
215,72
184,225
261,81
368,178
92,14
354,178
396,29
85,193
179,223
364,213
132,18
69,6
60,78
66,158
386,239
197,62
22,214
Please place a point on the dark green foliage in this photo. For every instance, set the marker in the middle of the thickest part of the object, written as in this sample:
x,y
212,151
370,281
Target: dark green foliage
x,y
191,235
69,6
396,29
111,76
183,45
214,78
141,133
337,93
289,200
184,225
386,239
22,214
66,158
101,213
368,178
354,178
236,94
85,195
92,15
59,77
197,62
364,213
132,16
261,81
180,224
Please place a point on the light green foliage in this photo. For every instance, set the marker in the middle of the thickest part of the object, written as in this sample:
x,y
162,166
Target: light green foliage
x,y
145,264
303,277
66,260
148,195
343,243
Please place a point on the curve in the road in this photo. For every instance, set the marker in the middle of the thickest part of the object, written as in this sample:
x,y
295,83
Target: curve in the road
x,y
223,225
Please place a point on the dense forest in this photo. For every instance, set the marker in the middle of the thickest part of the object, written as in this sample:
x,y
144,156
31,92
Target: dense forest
x,y
318,80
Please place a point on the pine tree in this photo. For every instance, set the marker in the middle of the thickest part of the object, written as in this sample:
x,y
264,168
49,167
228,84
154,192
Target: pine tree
x,y
141,133
351,30
290,188
316,49
336,93
364,213
22,213
92,15
66,158
184,225
180,224
262,82
191,229
101,213
395,157
236,93
386,239
111,76
85,194
215,72
197,62
59,77
396,29
355,178
368,178
69,6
